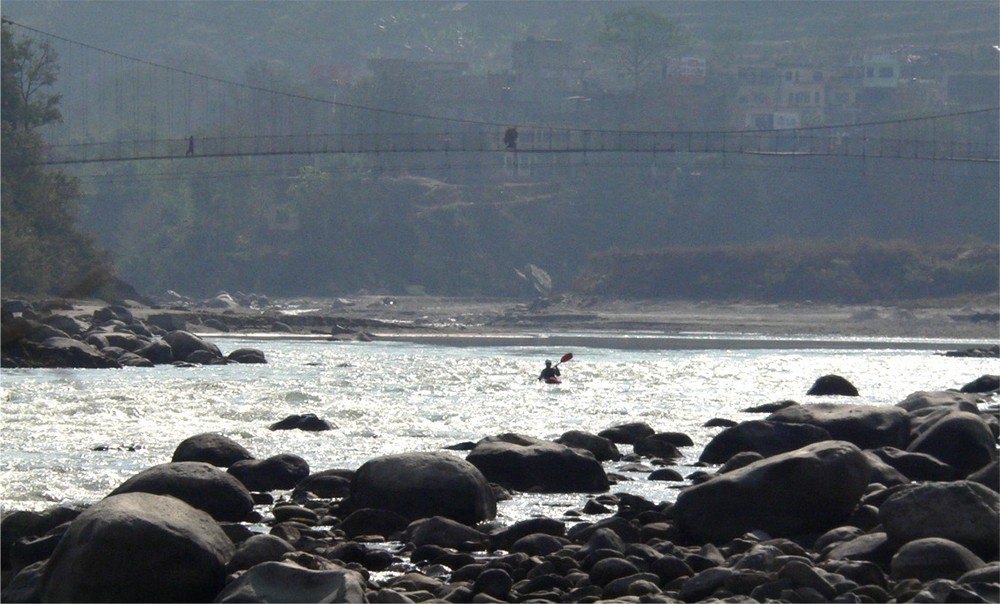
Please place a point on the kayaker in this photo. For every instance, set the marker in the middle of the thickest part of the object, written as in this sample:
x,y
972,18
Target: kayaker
x,y
549,372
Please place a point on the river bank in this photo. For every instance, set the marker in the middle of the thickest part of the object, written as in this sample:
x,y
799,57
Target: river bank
x,y
974,319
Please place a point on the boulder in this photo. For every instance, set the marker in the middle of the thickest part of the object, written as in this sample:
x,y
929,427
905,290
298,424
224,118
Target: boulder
x,y
812,489
659,445
130,359
158,352
866,426
257,549
528,464
65,352
113,313
965,512
306,421
66,324
421,485
504,538
138,547
327,484
933,558
212,448
600,447
960,439
184,344
200,485
444,532
944,398
372,521
984,383
988,476
24,524
883,473
916,466
832,385
25,586
247,356
282,471
288,582
760,436
129,341
626,434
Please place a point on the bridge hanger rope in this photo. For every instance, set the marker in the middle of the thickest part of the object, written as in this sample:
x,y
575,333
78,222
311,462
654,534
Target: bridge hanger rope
x,y
467,121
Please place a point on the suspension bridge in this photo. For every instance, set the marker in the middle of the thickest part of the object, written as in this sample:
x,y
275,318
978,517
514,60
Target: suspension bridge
x,y
118,108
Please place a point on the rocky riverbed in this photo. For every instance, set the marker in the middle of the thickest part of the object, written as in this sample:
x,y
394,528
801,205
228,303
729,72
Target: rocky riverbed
x,y
91,333
817,502
812,502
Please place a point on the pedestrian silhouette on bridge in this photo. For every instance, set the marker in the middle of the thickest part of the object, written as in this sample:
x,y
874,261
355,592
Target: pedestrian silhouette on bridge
x,y
190,150
510,138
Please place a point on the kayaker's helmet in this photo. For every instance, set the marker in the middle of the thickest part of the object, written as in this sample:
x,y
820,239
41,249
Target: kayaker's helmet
x,y
548,363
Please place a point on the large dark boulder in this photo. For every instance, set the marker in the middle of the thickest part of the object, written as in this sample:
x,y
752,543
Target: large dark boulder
x,y
282,471
257,549
24,524
988,475
66,352
965,512
916,466
115,312
812,489
984,383
184,344
138,547
158,352
68,325
305,421
523,463
626,434
760,436
601,448
213,448
247,356
200,485
832,385
866,426
421,485
327,483
659,445
444,532
933,558
372,521
287,581
925,399
960,439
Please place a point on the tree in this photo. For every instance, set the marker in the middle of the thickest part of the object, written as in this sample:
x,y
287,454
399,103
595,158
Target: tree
x,y
41,249
637,39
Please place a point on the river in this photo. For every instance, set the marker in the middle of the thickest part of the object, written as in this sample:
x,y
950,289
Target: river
x,y
70,436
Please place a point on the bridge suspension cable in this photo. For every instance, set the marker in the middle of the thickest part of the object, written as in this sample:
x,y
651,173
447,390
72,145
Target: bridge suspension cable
x,y
218,113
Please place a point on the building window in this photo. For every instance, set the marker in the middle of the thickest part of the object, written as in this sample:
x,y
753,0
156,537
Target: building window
x,y
886,72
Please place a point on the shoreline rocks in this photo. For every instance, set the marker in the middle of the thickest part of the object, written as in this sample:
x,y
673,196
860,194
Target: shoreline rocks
x,y
111,338
841,515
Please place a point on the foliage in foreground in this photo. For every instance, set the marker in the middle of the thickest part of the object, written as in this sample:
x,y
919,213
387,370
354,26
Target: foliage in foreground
x,y
855,272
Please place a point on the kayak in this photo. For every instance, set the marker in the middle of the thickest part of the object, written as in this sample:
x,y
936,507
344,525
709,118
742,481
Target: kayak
x,y
553,380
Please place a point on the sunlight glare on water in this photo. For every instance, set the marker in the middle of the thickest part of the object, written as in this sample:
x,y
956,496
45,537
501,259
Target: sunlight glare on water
x,y
391,397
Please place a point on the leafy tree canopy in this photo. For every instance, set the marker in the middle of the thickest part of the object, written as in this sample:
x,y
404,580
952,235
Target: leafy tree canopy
x,y
41,249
